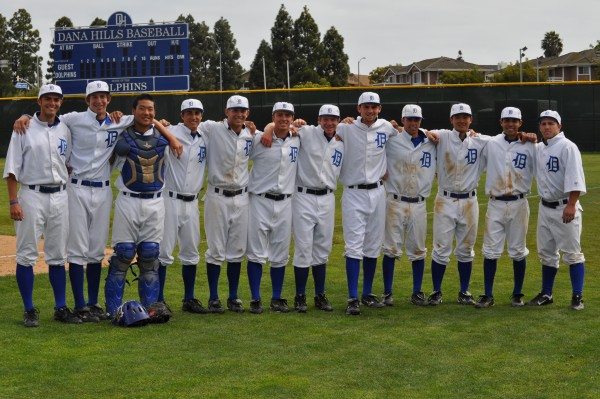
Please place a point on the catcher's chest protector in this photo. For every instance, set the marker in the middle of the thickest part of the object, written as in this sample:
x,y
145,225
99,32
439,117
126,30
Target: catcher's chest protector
x,y
143,170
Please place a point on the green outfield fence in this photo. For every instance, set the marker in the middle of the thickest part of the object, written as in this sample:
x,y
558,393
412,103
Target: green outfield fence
x,y
577,102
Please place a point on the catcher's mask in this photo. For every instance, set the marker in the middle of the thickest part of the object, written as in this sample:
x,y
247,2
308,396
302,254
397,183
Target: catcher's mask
x,y
131,314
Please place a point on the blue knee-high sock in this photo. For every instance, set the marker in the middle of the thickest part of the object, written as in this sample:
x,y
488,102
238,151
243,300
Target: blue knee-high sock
x,y
188,274
418,268
301,277
162,277
58,281
577,272
548,275
489,272
352,272
464,273
369,266
318,272
93,273
254,276
387,268
212,274
519,267
25,279
233,278
437,275
77,277
277,275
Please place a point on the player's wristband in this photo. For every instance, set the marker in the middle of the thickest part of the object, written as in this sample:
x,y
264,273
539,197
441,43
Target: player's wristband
x,y
14,202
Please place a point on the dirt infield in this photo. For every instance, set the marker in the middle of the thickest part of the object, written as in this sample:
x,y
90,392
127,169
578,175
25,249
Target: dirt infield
x,y
8,244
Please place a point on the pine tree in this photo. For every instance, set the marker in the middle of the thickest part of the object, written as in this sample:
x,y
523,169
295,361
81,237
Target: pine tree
x,y
256,80
232,70
98,22
6,80
306,40
333,64
24,43
62,22
201,52
281,45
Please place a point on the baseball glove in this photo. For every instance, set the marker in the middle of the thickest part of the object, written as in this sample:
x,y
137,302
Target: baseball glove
x,y
159,312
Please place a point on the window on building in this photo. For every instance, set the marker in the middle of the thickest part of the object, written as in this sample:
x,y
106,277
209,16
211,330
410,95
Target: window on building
x,y
416,77
583,70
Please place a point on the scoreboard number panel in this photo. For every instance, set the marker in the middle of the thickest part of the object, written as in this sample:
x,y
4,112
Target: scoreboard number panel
x,y
130,58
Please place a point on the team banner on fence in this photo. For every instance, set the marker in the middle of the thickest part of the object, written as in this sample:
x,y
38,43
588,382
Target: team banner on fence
x,y
131,58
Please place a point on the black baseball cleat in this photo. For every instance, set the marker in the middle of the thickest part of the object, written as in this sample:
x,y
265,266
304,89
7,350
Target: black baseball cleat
x,y
321,302
435,298
86,315
516,300
256,306
418,298
465,298
31,318
577,302
279,305
484,301
387,299
353,307
300,303
66,315
235,305
541,299
193,306
371,301
214,306
100,313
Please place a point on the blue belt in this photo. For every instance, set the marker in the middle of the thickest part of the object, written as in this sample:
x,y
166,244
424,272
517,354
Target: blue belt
x,y
47,189
508,197
89,183
412,200
185,198
554,204
275,197
142,195
460,195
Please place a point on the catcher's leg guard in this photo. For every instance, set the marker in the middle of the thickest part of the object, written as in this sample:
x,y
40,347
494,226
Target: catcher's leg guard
x,y
117,271
148,282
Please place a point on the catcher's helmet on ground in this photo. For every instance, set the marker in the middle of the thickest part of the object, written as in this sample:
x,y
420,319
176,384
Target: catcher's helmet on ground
x,y
131,314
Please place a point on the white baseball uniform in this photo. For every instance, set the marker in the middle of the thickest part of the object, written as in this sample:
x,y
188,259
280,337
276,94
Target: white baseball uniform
x,y
459,167
363,200
226,203
510,170
272,183
559,170
184,177
137,220
410,176
37,159
313,204
89,192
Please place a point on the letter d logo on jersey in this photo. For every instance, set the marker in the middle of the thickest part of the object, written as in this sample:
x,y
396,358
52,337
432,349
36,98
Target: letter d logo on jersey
x,y
380,140
552,164
293,154
336,158
62,147
471,156
111,137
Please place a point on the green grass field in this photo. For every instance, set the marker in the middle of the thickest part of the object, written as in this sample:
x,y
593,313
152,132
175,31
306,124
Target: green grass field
x,y
401,352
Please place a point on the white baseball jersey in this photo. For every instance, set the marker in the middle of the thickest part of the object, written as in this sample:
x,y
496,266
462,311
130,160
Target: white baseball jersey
x,y
363,210
38,158
319,164
226,217
510,170
270,221
410,174
90,198
184,177
559,170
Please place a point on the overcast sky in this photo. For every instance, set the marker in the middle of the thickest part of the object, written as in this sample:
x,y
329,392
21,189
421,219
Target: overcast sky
x,y
385,32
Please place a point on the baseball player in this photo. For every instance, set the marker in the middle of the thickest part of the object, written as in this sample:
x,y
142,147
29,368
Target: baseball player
x,y
37,161
93,135
139,209
411,165
313,205
229,144
510,169
363,200
560,182
456,211
272,182
184,177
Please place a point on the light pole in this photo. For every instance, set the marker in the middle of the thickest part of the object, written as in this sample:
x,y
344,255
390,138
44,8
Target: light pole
x,y
38,67
358,75
521,55
220,63
264,73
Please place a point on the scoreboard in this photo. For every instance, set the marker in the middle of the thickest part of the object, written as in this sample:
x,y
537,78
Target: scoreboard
x,y
130,58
